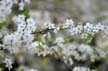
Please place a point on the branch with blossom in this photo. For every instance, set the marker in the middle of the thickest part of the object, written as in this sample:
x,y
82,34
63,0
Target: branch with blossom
x,y
69,42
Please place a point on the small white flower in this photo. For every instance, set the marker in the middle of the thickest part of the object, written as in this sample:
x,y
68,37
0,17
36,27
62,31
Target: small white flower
x,y
68,23
49,25
31,25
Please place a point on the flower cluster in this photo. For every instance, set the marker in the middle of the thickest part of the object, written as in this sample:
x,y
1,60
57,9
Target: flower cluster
x,y
79,29
22,36
87,29
51,40
7,5
82,53
70,52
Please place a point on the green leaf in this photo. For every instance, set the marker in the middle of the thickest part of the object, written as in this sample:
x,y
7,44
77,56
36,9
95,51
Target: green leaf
x,y
40,47
26,13
22,69
2,24
97,70
44,62
63,30
68,41
38,37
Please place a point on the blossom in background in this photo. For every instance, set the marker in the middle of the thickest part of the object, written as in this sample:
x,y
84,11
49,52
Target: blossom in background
x,y
7,5
8,63
33,70
81,69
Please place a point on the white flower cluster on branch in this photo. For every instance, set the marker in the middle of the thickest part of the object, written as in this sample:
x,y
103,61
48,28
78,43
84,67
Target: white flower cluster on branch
x,y
54,40
22,37
82,53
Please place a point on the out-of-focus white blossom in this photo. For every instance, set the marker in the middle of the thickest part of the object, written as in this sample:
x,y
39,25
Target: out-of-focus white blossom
x,y
21,6
32,49
6,7
59,40
8,63
81,69
33,70
26,68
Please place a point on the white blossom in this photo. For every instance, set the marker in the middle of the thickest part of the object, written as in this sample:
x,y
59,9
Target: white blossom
x,y
8,63
32,49
81,69
33,70
6,7
59,40
22,36
49,25
21,6
68,24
